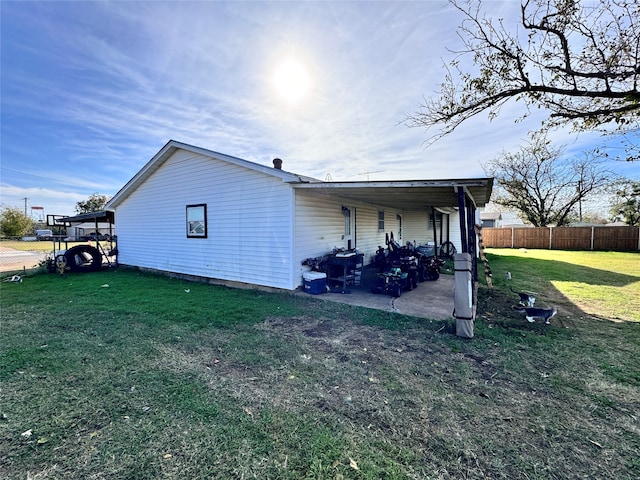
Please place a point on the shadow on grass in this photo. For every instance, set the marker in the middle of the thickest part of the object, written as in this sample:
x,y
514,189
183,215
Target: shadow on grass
x,y
554,270
576,290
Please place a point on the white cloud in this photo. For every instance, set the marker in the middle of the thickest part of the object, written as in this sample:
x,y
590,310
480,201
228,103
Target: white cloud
x,y
91,91
55,202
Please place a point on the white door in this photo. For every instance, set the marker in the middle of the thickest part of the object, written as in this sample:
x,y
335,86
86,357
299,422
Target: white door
x,y
349,227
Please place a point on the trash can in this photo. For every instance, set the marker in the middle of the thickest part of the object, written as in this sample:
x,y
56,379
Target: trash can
x,y
315,282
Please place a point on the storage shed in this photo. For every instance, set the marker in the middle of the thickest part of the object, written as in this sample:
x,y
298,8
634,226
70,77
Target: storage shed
x,y
200,213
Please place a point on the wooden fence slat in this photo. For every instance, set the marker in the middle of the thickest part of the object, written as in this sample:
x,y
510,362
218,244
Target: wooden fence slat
x,y
616,238
531,237
571,238
620,239
497,237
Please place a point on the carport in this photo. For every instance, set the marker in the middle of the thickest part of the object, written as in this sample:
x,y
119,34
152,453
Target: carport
x,y
465,195
434,300
92,217
86,258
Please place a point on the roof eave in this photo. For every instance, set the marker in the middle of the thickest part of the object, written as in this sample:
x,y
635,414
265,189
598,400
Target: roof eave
x,y
172,146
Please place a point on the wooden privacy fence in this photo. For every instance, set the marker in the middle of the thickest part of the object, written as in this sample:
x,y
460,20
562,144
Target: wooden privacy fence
x,y
620,239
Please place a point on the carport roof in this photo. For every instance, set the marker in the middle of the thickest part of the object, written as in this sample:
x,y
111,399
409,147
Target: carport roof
x,y
103,216
410,194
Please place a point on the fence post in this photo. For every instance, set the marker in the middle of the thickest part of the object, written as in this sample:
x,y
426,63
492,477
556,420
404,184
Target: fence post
x,y
513,235
550,238
592,234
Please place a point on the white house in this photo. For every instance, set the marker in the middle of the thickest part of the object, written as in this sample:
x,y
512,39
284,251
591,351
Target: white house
x,y
200,213
491,219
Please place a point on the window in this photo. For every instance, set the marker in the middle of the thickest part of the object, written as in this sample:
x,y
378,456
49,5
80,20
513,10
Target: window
x,y
438,219
197,221
381,220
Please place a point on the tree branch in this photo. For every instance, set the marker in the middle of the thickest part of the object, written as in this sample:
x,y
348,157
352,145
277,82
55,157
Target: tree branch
x,y
581,65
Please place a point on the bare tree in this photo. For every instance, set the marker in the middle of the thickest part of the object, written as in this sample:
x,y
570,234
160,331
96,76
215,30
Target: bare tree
x,y
542,185
579,60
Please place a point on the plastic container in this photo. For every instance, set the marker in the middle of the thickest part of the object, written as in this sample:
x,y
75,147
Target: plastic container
x,y
315,283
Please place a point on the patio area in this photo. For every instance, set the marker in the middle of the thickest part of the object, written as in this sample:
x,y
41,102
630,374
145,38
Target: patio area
x,y
431,299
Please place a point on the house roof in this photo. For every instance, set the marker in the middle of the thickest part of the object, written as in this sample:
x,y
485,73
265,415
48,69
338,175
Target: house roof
x,y
103,216
409,194
173,146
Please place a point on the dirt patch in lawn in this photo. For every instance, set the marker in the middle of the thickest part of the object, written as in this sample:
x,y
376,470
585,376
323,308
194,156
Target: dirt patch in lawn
x,y
492,407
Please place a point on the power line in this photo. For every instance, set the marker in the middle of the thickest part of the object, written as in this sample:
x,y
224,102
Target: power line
x,y
368,173
57,180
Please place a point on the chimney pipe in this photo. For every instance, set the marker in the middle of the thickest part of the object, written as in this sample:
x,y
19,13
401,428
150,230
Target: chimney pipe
x,y
277,163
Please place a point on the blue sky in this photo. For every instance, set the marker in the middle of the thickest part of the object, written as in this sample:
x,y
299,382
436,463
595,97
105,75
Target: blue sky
x,y
92,90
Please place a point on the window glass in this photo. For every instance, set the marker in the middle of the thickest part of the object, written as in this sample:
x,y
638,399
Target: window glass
x,y
197,221
381,220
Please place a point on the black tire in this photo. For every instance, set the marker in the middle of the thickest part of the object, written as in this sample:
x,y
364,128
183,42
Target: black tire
x,y
83,258
423,274
378,286
447,250
396,290
413,277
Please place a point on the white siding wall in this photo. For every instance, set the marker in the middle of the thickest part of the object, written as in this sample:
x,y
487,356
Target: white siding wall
x,y
368,236
417,227
249,217
319,226
454,230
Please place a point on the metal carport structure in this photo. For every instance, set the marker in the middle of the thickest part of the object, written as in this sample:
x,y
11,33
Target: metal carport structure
x,y
464,194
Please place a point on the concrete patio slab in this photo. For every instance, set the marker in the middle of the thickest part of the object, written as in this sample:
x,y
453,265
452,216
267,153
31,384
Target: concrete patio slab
x,y
431,299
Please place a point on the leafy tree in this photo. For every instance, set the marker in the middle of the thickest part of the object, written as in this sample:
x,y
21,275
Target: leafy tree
x,y
542,185
580,60
14,223
627,202
95,203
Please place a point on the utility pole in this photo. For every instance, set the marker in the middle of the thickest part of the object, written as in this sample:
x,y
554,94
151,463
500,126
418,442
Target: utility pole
x,y
579,188
25,206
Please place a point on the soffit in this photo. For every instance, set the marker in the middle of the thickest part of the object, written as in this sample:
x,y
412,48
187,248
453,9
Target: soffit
x,y
408,195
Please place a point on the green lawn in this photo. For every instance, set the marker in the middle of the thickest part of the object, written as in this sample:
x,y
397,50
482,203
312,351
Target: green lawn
x,y
604,284
36,246
119,374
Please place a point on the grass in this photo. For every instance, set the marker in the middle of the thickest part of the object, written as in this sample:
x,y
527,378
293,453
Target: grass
x,y
598,283
35,246
151,377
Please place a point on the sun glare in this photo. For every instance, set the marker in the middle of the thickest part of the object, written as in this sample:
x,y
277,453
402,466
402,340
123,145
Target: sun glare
x,y
292,81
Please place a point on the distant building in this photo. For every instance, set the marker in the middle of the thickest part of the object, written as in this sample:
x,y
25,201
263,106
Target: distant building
x,y
491,219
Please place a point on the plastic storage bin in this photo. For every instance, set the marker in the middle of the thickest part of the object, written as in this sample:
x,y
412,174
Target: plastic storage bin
x,y
315,282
